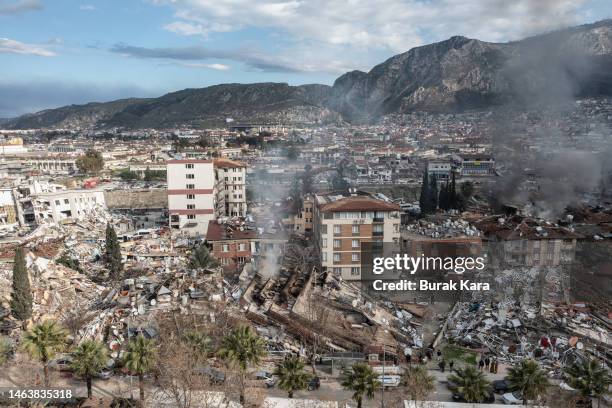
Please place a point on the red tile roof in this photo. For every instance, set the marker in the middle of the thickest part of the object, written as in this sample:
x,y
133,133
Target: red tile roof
x,y
359,203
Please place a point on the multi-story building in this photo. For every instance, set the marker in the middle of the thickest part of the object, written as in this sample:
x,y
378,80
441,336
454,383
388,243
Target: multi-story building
x,y
440,170
230,178
341,223
64,204
475,165
191,195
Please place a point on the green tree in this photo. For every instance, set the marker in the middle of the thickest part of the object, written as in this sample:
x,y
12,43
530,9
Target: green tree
x,y
88,359
6,348
418,382
199,343
424,201
590,378
362,380
21,296
307,180
112,254
291,375
453,199
471,383
139,359
433,194
127,174
43,341
296,197
528,378
69,262
467,190
240,349
90,162
444,197
201,258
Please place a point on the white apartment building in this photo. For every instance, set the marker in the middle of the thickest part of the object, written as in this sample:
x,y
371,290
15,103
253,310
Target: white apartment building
x,y
191,195
66,204
230,187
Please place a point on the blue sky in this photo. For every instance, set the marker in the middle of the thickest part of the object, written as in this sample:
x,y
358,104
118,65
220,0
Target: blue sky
x,y
57,52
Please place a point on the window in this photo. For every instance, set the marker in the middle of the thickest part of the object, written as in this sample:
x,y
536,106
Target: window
x,y
338,271
225,248
355,271
324,257
355,257
242,247
66,201
336,257
191,216
337,243
190,176
324,229
324,244
191,196
190,186
355,229
337,229
57,202
191,206
355,243
189,166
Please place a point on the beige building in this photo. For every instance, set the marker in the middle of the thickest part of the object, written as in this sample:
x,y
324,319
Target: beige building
x,y
230,186
341,223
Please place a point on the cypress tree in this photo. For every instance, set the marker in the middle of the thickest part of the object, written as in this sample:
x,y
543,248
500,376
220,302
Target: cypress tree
x,y
113,252
444,197
424,198
433,195
21,297
454,202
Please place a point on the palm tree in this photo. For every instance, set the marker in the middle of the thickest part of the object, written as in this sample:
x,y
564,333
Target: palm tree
x,y
590,378
528,378
139,359
291,375
241,349
471,383
418,382
199,343
362,380
88,359
43,341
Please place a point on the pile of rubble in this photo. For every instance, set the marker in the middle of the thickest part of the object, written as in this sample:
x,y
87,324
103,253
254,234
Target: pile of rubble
x,y
448,228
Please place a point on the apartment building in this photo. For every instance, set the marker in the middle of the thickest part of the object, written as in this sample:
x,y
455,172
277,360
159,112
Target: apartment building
x,y
62,205
191,195
230,186
341,223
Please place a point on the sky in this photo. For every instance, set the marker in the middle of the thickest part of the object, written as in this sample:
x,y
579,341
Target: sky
x,y
59,52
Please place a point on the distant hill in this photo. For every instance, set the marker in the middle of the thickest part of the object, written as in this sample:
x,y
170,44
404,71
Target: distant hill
x,y
453,75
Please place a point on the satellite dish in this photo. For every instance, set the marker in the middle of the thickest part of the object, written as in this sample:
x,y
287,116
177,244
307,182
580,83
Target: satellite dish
x,y
579,345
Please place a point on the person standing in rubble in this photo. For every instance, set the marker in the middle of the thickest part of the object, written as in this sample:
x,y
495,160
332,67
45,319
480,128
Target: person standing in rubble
x,y
487,362
493,365
442,365
450,365
481,364
496,366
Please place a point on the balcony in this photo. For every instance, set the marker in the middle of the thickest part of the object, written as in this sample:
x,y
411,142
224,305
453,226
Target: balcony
x,y
378,219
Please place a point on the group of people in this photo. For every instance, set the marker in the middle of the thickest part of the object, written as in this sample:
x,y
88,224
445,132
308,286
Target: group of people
x,y
489,364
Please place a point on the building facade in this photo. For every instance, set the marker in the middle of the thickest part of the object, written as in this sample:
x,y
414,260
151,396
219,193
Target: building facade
x,y
191,195
230,186
341,223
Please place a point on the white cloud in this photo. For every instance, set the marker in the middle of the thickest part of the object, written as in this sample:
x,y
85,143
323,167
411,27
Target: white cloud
x,y
216,67
15,47
347,29
87,7
19,6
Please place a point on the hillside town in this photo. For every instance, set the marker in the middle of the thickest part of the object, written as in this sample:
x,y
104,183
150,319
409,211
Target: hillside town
x,y
231,266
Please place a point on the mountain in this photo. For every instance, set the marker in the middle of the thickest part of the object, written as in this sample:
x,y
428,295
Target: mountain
x,y
453,75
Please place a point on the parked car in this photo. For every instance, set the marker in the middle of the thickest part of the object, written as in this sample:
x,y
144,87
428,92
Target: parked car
x,y
501,386
215,376
62,363
104,374
314,383
269,379
515,398
390,380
